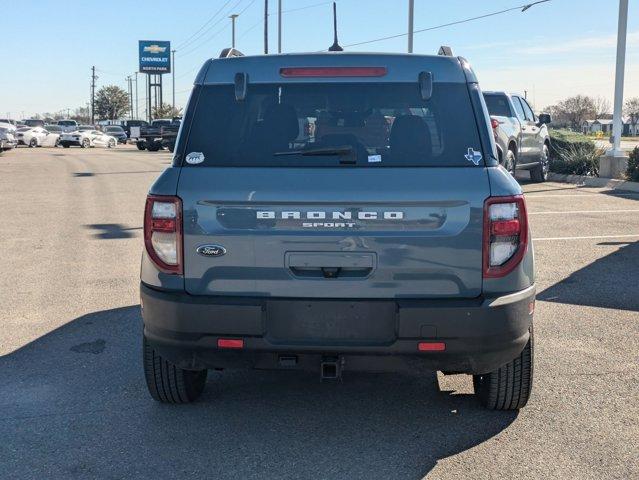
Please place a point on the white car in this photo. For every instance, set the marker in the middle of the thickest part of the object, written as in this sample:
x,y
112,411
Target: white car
x,y
37,137
87,138
7,136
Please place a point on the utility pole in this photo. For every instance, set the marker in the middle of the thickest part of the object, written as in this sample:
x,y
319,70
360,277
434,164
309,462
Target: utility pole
x,y
136,96
93,79
233,17
173,74
129,81
265,27
279,26
411,9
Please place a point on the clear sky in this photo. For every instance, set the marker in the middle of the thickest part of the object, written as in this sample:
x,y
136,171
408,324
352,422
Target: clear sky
x,y
552,50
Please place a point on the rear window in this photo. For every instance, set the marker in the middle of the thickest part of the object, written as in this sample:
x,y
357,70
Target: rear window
x,y
324,124
67,123
498,105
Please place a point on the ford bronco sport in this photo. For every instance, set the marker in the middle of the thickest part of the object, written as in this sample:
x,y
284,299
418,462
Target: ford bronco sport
x,y
337,212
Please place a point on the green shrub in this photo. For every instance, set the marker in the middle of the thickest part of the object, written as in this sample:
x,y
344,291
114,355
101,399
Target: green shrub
x,y
573,154
560,139
633,166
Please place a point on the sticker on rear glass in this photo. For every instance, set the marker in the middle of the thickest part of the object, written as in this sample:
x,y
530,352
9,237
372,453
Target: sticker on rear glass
x,y
473,156
374,158
194,158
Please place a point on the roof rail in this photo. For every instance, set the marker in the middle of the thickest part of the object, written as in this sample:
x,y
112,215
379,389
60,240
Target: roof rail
x,y
230,52
445,50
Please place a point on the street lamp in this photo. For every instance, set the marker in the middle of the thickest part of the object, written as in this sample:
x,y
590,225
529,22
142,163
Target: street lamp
x,y
615,162
233,17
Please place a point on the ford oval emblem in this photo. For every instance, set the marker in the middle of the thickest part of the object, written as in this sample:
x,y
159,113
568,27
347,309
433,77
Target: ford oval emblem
x,y
211,250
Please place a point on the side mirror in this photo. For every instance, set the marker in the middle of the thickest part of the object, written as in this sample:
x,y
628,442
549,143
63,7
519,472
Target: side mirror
x,y
544,118
425,81
241,86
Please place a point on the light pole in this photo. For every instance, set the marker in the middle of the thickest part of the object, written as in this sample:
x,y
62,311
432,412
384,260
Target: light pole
x,y
619,77
614,163
411,9
173,75
233,17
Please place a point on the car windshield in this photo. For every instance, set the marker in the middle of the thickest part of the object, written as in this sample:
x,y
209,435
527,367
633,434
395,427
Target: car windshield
x,y
67,123
85,127
114,130
367,124
498,105
53,128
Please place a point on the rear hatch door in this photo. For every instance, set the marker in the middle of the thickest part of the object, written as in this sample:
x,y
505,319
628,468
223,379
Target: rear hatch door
x,y
333,190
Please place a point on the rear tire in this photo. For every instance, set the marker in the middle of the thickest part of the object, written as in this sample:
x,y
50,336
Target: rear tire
x,y
169,383
86,143
33,143
508,387
540,172
140,145
153,146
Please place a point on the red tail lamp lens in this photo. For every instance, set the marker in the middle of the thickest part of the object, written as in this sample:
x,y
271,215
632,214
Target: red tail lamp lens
x,y
333,71
230,343
431,346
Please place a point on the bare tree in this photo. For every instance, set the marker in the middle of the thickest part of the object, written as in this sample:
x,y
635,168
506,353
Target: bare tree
x,y
573,111
602,107
631,110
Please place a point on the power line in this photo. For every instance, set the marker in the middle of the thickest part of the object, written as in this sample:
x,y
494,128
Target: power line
x,y
194,41
186,42
304,8
523,8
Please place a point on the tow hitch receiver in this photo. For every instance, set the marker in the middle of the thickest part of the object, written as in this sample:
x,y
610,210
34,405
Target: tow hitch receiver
x,y
330,368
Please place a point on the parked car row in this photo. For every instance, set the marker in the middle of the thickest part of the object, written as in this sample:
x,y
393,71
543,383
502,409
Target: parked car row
x,y
84,136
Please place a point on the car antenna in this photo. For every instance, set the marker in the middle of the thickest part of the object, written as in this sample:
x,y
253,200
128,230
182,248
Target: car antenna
x,y
335,47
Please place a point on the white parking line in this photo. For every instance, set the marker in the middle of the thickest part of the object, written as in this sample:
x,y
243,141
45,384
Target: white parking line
x,y
585,211
530,195
592,237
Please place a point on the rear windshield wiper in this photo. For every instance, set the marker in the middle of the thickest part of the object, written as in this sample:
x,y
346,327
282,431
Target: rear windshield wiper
x,y
312,152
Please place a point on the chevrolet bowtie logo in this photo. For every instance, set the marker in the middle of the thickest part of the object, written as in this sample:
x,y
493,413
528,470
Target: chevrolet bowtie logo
x,y
154,49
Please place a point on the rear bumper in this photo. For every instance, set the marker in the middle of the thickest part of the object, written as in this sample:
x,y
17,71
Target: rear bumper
x,y
480,334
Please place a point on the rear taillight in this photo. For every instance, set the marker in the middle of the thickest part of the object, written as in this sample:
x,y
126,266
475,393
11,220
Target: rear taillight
x,y
163,232
505,234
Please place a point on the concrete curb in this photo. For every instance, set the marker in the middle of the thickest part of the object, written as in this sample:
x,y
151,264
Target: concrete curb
x,y
610,183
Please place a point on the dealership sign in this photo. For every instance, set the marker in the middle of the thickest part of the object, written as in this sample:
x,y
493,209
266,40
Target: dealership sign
x,y
155,56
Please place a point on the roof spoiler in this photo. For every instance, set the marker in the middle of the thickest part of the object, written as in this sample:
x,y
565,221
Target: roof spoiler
x,y
445,51
230,52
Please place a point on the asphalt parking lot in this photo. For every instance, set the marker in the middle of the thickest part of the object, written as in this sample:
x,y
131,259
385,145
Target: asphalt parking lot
x,y
73,403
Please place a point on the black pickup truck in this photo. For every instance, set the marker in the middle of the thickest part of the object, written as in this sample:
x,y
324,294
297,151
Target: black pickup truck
x,y
161,133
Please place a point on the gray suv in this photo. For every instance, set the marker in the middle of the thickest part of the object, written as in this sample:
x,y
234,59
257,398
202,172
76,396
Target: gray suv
x,y
337,212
